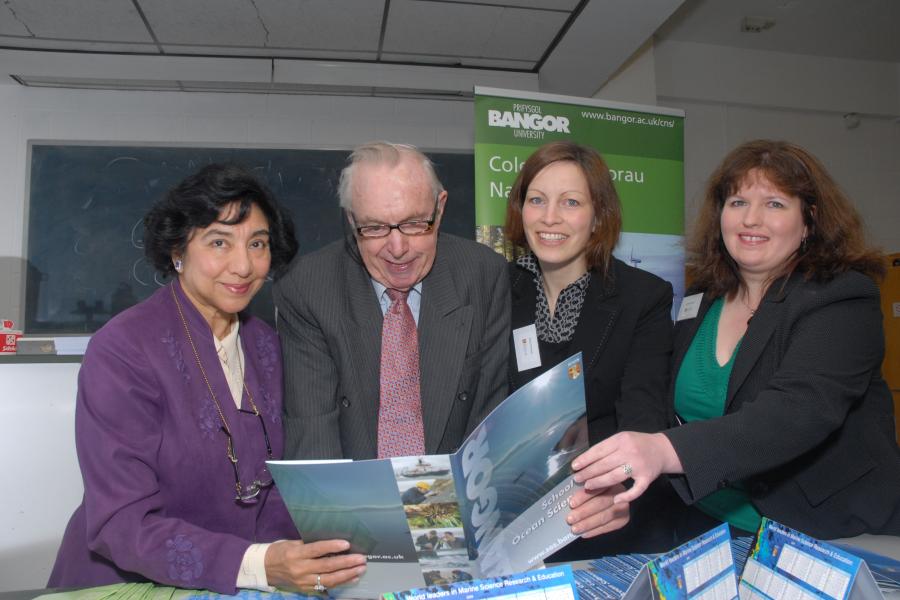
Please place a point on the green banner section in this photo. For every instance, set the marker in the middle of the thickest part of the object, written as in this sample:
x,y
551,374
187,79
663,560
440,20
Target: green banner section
x,y
644,151
649,188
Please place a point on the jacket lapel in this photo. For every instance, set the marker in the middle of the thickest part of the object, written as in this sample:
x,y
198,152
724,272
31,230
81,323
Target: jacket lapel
x,y
444,324
362,332
598,315
755,340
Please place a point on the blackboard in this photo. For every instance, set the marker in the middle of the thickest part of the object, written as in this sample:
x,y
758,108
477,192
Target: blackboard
x,y
86,204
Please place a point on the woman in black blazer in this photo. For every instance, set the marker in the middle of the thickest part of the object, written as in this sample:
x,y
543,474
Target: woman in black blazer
x,y
777,373
564,214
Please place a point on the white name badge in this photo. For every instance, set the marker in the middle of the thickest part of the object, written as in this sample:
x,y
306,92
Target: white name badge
x,y
690,306
528,355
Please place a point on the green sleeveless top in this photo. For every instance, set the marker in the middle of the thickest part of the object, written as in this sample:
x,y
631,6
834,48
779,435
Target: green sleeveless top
x,y
701,389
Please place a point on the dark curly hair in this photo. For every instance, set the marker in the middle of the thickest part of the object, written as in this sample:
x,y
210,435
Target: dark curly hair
x,y
605,200
836,238
198,201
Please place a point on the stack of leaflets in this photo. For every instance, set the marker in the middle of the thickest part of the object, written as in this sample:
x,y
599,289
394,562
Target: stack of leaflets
x,y
701,569
611,576
885,570
786,563
497,506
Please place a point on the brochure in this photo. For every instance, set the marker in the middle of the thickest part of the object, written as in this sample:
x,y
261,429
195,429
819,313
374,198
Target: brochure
x,y
702,569
495,507
556,583
786,563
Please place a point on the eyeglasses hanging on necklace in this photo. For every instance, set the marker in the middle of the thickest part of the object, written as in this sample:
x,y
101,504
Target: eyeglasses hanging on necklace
x,y
244,494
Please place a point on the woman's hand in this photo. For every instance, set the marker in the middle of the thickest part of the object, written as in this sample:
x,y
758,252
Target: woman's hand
x,y
627,455
594,512
296,566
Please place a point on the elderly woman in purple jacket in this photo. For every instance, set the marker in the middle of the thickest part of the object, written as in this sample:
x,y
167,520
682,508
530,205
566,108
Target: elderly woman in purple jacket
x,y
179,407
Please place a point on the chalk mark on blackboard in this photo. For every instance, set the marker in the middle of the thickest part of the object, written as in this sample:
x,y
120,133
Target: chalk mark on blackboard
x,y
135,270
134,273
76,249
118,158
87,204
137,242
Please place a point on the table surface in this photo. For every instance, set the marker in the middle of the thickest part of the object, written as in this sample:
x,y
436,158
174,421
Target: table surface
x,y
887,545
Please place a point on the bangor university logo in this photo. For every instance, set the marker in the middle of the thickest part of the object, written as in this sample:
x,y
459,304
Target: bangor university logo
x,y
528,123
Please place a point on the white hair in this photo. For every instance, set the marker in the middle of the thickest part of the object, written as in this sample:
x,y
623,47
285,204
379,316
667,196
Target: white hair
x,y
385,153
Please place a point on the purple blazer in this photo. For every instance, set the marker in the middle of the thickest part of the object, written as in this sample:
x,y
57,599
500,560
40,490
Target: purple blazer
x,y
158,487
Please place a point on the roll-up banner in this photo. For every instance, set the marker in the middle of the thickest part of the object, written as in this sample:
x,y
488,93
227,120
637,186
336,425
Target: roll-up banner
x,y
643,146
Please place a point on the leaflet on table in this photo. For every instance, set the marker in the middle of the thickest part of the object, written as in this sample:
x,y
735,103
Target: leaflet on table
x,y
556,583
495,507
885,570
787,563
702,568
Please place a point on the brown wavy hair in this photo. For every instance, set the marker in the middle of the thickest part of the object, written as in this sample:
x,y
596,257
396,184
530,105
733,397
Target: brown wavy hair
x,y
835,240
605,200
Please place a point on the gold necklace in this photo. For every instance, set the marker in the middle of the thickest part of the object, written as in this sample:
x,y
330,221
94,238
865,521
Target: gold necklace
x,y
747,304
231,455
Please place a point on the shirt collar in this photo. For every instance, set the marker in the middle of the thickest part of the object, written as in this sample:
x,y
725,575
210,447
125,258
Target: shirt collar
x,y
229,343
381,291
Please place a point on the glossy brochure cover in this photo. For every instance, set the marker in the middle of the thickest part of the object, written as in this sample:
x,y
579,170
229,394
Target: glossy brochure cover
x,y
495,507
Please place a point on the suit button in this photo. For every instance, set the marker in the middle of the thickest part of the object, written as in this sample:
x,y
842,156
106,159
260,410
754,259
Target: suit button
x,y
722,484
344,402
463,397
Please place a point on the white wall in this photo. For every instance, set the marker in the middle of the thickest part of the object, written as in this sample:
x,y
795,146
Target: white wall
x,y
731,95
41,481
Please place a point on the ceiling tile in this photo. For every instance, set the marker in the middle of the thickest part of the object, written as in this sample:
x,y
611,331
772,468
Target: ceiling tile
x,y
476,31
97,20
524,34
348,25
180,22
323,24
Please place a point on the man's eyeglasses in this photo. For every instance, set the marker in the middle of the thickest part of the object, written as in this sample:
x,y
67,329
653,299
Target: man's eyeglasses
x,y
249,494
417,227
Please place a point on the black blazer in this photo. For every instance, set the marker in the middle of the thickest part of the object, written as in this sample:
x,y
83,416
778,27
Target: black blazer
x,y
808,426
625,335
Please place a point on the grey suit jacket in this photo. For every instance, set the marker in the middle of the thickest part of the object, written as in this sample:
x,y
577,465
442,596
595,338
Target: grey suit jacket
x,y
329,322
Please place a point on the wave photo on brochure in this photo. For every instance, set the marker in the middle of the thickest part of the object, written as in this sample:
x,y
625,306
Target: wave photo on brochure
x,y
495,507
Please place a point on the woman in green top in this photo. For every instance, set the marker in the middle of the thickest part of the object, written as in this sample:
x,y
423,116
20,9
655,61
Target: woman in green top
x,y
782,410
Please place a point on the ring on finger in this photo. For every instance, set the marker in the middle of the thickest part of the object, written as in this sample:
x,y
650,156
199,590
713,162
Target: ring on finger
x,y
626,468
319,587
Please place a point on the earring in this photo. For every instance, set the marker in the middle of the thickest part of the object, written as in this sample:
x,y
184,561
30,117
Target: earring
x,y
803,245
178,264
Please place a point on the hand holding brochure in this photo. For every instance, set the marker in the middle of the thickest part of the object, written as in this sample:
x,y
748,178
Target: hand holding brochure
x,y
495,507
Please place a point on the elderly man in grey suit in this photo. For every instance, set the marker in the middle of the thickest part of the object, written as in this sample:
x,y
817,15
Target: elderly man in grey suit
x,y
395,338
